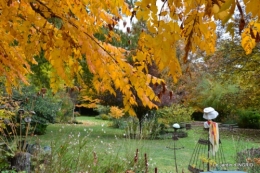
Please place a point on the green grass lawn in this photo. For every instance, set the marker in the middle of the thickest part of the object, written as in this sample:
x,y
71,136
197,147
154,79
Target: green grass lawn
x,y
109,142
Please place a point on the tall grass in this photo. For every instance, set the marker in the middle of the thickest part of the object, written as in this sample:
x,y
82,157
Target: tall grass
x,y
94,146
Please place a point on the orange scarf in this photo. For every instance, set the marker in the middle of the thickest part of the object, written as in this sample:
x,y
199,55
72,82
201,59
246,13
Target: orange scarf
x,y
214,136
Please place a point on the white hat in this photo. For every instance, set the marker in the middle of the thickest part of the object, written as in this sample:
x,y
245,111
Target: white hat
x,y
210,113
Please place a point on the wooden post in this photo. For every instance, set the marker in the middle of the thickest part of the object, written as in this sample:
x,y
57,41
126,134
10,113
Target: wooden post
x,y
208,167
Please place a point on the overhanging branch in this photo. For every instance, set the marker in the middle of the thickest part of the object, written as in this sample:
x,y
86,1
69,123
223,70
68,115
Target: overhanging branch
x,y
37,9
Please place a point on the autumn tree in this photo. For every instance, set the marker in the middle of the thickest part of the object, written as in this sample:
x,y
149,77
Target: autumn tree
x,y
129,41
239,69
65,30
227,80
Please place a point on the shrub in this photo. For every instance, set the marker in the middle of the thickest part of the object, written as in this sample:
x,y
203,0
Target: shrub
x,y
45,109
66,108
76,114
42,102
131,125
101,109
105,117
14,140
249,118
111,113
5,154
116,115
176,113
150,127
116,112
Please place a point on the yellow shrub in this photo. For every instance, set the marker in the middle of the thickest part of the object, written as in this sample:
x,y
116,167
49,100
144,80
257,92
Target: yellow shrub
x,y
116,112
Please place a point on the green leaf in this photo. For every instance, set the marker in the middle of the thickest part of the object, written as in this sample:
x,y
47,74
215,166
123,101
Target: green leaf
x,y
227,5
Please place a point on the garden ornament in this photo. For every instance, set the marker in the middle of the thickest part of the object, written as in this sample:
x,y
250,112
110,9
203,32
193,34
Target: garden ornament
x,y
21,111
27,119
176,126
32,112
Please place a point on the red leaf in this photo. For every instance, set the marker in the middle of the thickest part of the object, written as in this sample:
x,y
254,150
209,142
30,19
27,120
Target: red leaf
x,y
257,39
128,30
171,94
252,33
241,25
124,23
133,14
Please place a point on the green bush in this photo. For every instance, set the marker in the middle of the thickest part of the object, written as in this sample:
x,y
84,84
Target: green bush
x,y
150,127
77,114
64,114
249,118
176,113
101,109
103,112
4,156
42,102
120,123
105,117
131,126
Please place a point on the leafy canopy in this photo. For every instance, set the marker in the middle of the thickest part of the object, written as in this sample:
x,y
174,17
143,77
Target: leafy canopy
x,y
65,31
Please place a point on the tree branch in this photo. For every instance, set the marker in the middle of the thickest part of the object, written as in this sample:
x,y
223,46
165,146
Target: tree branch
x,y
161,12
52,14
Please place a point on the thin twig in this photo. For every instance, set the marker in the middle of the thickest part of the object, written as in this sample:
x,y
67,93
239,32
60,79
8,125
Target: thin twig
x,y
161,12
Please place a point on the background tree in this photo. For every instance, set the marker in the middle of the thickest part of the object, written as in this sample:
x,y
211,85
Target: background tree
x,y
240,69
40,72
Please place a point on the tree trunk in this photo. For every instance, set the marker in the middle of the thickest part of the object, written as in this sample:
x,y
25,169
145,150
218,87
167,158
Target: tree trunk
x,y
140,125
73,113
140,113
21,162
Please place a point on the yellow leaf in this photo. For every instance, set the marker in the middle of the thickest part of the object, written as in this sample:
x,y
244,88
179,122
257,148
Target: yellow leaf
x,y
187,30
223,15
247,42
131,112
163,13
215,9
142,15
117,83
257,26
149,78
226,5
189,20
151,28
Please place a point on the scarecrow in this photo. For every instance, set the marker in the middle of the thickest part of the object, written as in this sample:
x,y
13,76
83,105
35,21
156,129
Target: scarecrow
x,y
209,115
208,153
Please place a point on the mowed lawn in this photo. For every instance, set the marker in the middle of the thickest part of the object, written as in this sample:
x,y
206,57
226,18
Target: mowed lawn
x,y
110,142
